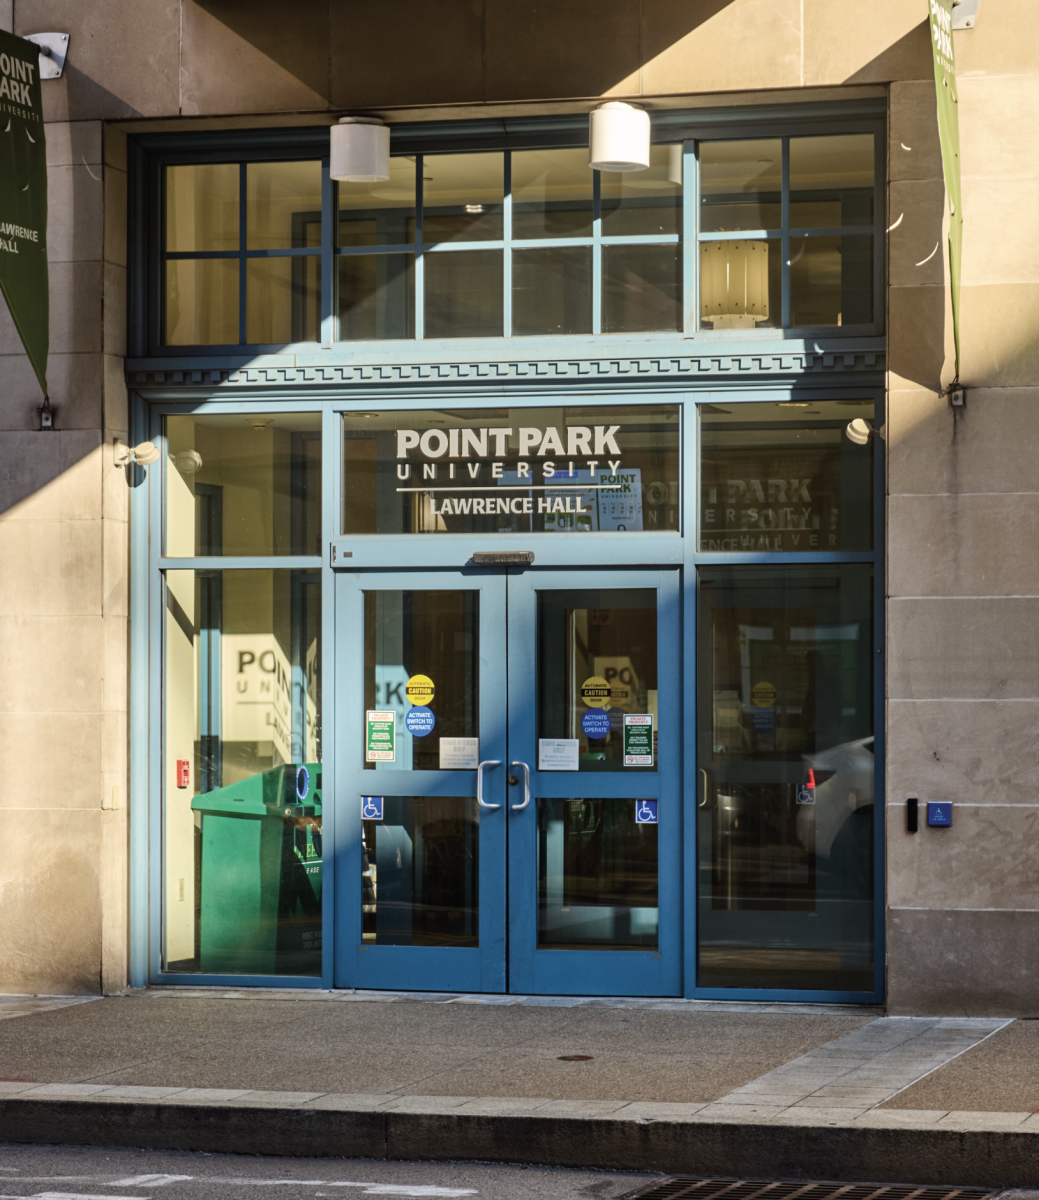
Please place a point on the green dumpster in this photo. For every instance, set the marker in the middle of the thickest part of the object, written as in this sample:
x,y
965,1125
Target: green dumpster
x,y
261,874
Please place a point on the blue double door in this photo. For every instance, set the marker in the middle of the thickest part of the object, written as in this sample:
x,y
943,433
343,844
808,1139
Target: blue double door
x,y
508,781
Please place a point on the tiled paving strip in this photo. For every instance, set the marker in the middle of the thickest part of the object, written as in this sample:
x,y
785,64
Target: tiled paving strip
x,y
851,1075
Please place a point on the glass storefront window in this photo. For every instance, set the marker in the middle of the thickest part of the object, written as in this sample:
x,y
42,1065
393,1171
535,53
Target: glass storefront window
x,y
201,301
202,210
552,291
831,181
463,294
243,484
551,194
376,296
379,214
641,289
644,202
531,470
741,185
463,197
785,768
782,476
434,634
601,641
243,783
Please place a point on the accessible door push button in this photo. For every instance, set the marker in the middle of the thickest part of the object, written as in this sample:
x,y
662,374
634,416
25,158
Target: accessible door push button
x,y
939,814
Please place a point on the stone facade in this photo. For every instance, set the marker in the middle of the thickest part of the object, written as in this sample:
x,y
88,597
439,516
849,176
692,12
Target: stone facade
x,y
962,508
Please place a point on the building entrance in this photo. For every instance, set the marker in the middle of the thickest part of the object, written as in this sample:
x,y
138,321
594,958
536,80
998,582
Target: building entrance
x,y
508,780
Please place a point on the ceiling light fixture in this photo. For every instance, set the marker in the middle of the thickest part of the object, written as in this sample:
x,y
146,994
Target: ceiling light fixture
x,y
618,137
360,150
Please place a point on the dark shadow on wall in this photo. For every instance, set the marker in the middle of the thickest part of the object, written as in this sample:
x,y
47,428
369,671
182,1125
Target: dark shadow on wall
x,y
908,58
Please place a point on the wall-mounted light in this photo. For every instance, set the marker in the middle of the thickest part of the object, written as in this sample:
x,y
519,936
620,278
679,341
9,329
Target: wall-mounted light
x,y
360,150
860,431
188,462
141,454
46,414
618,137
734,284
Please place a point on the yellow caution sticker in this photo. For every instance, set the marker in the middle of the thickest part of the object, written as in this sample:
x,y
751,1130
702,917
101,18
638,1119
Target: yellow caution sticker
x,y
595,692
419,689
764,694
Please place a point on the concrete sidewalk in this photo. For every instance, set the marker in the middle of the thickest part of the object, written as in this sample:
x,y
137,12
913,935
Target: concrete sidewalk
x,y
684,1086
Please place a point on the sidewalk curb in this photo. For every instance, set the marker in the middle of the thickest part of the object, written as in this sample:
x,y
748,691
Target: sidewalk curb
x,y
838,1151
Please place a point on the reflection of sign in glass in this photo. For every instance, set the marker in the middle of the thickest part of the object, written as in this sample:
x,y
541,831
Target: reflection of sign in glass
x,y
419,689
595,692
619,672
380,730
764,694
256,691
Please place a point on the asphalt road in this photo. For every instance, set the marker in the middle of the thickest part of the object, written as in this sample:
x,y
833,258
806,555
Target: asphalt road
x,y
85,1173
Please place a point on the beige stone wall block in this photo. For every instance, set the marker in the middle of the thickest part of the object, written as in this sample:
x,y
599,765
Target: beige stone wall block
x,y
116,568
985,446
114,900
115,216
986,859
115,483
52,568
123,57
266,56
50,937
51,476
7,15
72,143
75,391
57,662
720,46
114,147
115,309
116,665
1000,335
75,213
915,152
1005,41
841,45
1001,232
916,336
999,104
966,751
115,757
116,398
915,211
982,649
963,545
51,761
438,53
532,48
962,963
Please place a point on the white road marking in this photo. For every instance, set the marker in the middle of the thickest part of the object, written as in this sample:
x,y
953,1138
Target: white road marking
x,y
150,1180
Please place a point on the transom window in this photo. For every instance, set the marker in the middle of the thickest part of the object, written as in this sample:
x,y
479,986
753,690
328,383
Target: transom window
x,y
526,243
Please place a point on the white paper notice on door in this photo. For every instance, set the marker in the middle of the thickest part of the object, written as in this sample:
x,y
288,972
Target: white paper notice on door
x,y
459,754
557,754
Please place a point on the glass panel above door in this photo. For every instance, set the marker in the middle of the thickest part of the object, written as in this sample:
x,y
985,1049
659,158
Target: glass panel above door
x,y
243,484
784,476
524,470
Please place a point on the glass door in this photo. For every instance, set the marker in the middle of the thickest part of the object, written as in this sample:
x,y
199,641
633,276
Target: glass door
x,y
507,752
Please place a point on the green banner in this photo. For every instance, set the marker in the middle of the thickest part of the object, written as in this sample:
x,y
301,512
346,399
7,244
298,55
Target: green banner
x,y
949,134
23,199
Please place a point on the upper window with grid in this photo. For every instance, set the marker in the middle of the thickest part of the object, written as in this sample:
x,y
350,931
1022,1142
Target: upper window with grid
x,y
787,233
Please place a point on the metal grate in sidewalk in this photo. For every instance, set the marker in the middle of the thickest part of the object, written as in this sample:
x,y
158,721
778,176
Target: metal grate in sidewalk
x,y
686,1187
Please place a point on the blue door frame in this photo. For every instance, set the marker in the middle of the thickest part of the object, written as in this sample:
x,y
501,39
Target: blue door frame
x,y
507,958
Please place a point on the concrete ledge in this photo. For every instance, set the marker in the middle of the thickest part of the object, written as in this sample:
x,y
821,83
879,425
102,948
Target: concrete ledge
x,y
879,1150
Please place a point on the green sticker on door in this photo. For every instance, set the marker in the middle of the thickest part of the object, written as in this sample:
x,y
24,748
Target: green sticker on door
x,y
638,739
380,736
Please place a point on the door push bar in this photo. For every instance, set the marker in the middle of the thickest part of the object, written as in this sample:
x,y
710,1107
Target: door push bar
x,y
488,762
526,786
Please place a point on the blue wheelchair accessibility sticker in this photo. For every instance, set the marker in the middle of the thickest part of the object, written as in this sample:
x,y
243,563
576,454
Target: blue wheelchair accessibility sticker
x,y
645,812
371,808
805,793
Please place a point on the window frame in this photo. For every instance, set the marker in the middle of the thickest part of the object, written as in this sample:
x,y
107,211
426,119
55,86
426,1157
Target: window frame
x,y
149,154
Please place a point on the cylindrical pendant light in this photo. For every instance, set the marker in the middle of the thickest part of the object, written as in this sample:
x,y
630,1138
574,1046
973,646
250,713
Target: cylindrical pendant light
x,y
618,137
734,283
360,150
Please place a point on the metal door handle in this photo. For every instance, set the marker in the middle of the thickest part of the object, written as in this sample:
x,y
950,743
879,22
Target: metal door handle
x,y
526,786
488,762
703,802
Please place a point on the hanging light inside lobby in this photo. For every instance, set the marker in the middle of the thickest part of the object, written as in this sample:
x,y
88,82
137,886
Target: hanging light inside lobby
x,y
360,151
734,284
618,137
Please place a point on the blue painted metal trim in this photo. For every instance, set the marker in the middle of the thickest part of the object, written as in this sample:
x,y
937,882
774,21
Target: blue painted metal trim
x,y
140,709
333,882
156,738
240,981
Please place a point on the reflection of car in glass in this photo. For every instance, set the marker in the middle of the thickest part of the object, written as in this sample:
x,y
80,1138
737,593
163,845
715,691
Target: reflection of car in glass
x,y
843,787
